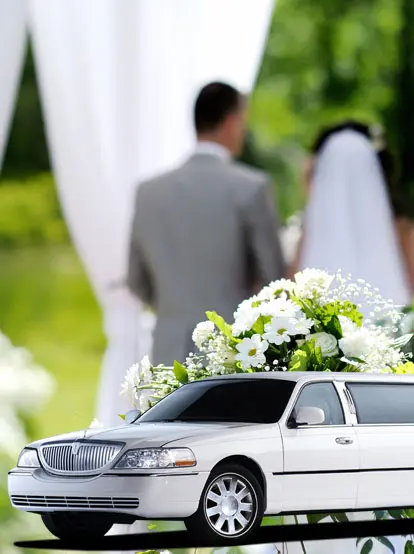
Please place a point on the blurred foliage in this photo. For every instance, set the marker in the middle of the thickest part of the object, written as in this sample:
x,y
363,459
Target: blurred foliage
x,y
330,60
47,305
27,151
30,213
324,61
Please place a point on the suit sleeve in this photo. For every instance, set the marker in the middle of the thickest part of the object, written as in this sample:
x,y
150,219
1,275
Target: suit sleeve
x,y
262,232
139,279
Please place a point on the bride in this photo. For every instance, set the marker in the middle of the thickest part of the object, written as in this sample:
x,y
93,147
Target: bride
x,y
349,224
349,221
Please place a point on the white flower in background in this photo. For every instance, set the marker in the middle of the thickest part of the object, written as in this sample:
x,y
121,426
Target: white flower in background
x,y
251,351
202,333
326,342
347,325
12,435
145,369
244,318
311,283
95,424
280,307
268,292
279,330
129,386
25,388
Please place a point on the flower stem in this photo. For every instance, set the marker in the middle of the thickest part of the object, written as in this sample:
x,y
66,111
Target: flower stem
x,y
301,542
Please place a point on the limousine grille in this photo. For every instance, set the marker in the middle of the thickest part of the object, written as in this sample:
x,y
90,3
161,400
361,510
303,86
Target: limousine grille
x,y
78,457
75,502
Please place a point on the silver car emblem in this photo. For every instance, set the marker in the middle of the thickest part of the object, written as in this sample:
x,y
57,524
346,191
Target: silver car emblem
x,y
75,448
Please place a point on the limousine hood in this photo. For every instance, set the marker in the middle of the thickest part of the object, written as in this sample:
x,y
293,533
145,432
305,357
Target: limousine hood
x,y
143,435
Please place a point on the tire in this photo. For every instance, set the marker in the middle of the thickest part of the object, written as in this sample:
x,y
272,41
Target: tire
x,y
76,526
219,518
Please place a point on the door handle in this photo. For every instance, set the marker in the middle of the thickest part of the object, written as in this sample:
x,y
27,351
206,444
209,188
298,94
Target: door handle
x,y
343,440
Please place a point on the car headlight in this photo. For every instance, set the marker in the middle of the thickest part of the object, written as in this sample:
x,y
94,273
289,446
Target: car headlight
x,y
156,458
28,458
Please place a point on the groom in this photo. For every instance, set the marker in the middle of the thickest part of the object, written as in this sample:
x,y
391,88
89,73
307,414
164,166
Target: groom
x,y
204,236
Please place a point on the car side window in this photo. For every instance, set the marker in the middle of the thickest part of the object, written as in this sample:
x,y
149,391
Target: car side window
x,y
325,397
383,403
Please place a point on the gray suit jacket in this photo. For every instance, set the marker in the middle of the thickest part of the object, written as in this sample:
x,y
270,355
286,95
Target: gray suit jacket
x,y
202,237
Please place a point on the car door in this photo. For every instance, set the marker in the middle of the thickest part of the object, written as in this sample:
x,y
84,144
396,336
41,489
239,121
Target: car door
x,y
321,462
385,432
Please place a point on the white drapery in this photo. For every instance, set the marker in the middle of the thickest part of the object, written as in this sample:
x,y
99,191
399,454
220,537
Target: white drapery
x,y
117,80
12,48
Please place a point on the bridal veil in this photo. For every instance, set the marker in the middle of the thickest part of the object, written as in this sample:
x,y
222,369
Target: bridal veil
x,y
349,223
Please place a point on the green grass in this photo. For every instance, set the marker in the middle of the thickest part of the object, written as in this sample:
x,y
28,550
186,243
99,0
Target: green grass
x,y
48,307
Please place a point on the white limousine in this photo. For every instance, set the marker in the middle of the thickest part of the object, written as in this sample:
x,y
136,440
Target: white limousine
x,y
223,452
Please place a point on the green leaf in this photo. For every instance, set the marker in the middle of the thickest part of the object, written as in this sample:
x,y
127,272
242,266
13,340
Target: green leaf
x,y
316,518
340,517
259,326
409,547
122,416
366,549
355,362
409,512
396,514
298,361
221,325
386,542
345,308
402,341
380,514
180,373
333,326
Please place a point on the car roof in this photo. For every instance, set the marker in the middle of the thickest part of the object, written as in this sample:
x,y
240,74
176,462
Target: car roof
x,y
301,376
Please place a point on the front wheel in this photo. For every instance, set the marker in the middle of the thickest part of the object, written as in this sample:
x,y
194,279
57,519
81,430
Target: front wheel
x,y
231,506
76,526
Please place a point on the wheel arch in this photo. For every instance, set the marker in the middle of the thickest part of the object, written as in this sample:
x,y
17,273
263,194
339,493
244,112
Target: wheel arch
x,y
249,464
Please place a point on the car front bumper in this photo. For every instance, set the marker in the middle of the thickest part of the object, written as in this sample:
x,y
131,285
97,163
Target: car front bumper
x,y
143,495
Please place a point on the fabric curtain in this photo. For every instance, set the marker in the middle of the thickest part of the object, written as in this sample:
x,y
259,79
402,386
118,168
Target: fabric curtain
x,y
117,80
13,31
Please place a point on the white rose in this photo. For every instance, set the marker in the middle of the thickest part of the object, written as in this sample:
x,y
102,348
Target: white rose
x,y
202,333
326,342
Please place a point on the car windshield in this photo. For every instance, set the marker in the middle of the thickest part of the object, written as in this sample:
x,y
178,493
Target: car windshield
x,y
234,400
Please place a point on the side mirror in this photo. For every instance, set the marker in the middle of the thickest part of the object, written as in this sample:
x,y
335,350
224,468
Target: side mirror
x,y
307,415
132,416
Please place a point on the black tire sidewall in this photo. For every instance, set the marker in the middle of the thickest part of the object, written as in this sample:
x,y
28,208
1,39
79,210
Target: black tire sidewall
x,y
198,524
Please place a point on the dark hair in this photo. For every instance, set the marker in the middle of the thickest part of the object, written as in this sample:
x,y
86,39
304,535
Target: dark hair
x,y
327,132
385,156
214,103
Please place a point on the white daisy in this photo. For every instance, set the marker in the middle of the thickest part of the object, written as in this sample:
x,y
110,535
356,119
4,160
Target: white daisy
x,y
251,351
244,318
279,330
280,307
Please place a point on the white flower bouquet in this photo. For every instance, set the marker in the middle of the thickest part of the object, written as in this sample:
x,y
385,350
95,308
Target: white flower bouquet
x,y
312,323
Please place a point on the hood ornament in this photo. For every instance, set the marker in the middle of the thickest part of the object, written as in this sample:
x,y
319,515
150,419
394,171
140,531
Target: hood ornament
x,y
75,448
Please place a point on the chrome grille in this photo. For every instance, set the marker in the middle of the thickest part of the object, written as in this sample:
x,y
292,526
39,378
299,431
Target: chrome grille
x,y
78,457
75,502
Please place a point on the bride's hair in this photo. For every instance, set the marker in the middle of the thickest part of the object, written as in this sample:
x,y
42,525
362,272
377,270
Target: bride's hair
x,y
385,155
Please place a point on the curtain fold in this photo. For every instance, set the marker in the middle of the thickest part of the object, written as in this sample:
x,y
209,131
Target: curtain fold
x,y
117,80
13,40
